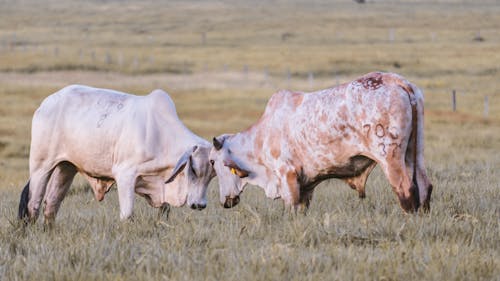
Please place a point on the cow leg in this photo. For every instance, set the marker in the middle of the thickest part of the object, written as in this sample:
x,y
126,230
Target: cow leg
x,y
37,187
297,197
290,190
305,199
164,209
358,183
306,193
125,184
58,186
400,180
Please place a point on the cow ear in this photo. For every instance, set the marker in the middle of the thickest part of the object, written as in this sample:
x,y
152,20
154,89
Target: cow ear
x,y
218,143
181,164
235,169
239,172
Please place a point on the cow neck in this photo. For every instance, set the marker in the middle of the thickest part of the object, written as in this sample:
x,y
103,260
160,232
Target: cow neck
x,y
251,144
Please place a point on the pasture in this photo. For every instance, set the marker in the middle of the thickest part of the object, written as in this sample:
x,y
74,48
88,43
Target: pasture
x,y
221,61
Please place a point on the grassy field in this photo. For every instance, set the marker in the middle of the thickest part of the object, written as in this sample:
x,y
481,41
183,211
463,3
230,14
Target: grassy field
x,y
221,61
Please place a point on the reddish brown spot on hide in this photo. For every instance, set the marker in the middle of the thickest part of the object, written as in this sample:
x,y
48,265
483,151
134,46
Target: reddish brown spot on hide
x,y
324,137
275,153
276,100
258,142
362,115
343,112
371,82
260,161
323,118
282,170
275,144
297,99
291,180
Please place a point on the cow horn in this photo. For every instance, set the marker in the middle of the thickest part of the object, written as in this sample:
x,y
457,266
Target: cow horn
x,y
218,144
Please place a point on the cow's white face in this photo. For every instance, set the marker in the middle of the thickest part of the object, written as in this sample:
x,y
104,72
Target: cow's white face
x,y
190,178
229,173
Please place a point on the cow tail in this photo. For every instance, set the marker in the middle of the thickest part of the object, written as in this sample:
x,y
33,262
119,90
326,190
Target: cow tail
x,y
23,202
414,95
420,177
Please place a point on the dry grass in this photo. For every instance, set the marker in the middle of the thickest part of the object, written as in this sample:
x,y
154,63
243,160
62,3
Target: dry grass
x,y
138,46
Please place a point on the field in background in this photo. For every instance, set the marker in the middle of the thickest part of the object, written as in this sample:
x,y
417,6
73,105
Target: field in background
x,y
221,61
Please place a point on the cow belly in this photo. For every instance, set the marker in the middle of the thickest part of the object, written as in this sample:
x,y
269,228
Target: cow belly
x,y
356,165
90,155
353,167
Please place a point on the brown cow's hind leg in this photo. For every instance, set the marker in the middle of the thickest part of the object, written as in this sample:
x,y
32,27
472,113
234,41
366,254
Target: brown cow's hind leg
x,y
400,180
358,183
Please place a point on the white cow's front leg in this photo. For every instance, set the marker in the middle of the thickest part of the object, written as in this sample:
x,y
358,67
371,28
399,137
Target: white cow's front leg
x,y
125,184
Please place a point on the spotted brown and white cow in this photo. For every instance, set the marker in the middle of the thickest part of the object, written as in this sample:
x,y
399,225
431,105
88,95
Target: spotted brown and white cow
x,y
341,132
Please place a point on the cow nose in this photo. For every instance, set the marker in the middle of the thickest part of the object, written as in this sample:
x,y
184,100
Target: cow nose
x,y
231,202
198,206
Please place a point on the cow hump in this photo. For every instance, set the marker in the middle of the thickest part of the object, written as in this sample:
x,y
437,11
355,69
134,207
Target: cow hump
x,y
162,101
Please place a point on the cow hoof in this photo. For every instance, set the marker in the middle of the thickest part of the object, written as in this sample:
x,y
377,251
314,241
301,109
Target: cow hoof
x,y
362,195
231,202
198,206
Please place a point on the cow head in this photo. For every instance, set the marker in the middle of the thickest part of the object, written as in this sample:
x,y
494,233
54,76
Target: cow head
x,y
231,175
189,180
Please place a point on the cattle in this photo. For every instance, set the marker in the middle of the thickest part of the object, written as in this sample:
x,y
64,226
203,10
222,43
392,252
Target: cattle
x,y
137,142
342,132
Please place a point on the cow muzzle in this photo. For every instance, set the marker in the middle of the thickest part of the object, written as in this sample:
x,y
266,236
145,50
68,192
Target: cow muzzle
x,y
198,206
231,202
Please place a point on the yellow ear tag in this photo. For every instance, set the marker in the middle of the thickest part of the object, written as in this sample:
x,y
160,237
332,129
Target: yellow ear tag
x,y
233,171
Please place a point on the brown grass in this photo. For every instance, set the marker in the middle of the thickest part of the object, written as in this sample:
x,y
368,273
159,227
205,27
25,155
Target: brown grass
x,y
139,46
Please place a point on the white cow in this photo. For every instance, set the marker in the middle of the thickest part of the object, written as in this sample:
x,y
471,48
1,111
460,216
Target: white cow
x,y
108,136
342,132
